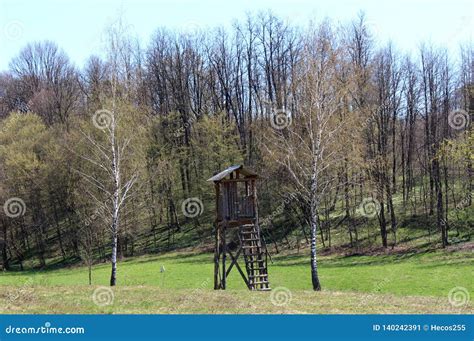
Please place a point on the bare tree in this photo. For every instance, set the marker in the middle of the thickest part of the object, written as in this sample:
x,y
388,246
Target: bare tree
x,y
108,177
309,148
48,81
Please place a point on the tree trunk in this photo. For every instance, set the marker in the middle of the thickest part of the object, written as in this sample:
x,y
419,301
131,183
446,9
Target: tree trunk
x,y
113,276
313,227
90,271
314,262
383,224
3,246
116,204
441,223
393,219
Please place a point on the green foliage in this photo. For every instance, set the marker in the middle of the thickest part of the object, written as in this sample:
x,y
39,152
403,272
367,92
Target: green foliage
x,y
24,143
216,146
460,149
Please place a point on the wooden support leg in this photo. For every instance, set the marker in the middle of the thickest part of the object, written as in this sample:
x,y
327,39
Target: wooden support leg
x,y
216,259
224,252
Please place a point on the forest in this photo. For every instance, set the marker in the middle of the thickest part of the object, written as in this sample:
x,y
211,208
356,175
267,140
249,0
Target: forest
x,y
360,147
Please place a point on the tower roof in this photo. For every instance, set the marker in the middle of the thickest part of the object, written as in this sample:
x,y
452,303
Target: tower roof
x,y
247,173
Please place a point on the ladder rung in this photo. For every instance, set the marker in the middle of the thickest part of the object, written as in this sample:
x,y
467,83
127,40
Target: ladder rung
x,y
259,282
258,268
253,276
251,239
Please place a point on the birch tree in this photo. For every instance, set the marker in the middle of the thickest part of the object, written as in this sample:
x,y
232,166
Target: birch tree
x,y
110,186
110,148
306,143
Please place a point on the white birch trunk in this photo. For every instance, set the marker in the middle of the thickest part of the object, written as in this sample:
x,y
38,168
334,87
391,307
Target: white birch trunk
x,y
115,201
314,226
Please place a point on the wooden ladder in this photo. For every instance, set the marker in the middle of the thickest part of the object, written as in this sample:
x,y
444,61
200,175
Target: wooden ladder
x,y
255,257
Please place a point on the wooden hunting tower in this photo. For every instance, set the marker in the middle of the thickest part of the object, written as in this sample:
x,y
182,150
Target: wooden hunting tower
x,y
237,218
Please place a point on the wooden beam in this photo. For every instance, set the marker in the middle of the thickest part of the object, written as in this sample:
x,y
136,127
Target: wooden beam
x,y
216,259
217,282
224,253
238,180
236,223
239,269
234,260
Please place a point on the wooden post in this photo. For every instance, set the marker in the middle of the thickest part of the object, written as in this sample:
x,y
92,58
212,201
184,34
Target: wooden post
x,y
224,252
216,258
261,264
217,241
255,201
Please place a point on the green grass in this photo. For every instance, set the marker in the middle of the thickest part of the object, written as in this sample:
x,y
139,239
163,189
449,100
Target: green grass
x,y
425,274
411,277
154,300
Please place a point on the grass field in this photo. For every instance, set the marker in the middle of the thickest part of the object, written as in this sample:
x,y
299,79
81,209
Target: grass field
x,y
396,282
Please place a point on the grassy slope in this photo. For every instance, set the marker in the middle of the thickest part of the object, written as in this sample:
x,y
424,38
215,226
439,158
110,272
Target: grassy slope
x,y
392,283
412,278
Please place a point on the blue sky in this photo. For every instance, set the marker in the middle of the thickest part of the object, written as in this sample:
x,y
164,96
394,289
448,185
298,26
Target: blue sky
x,y
77,26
